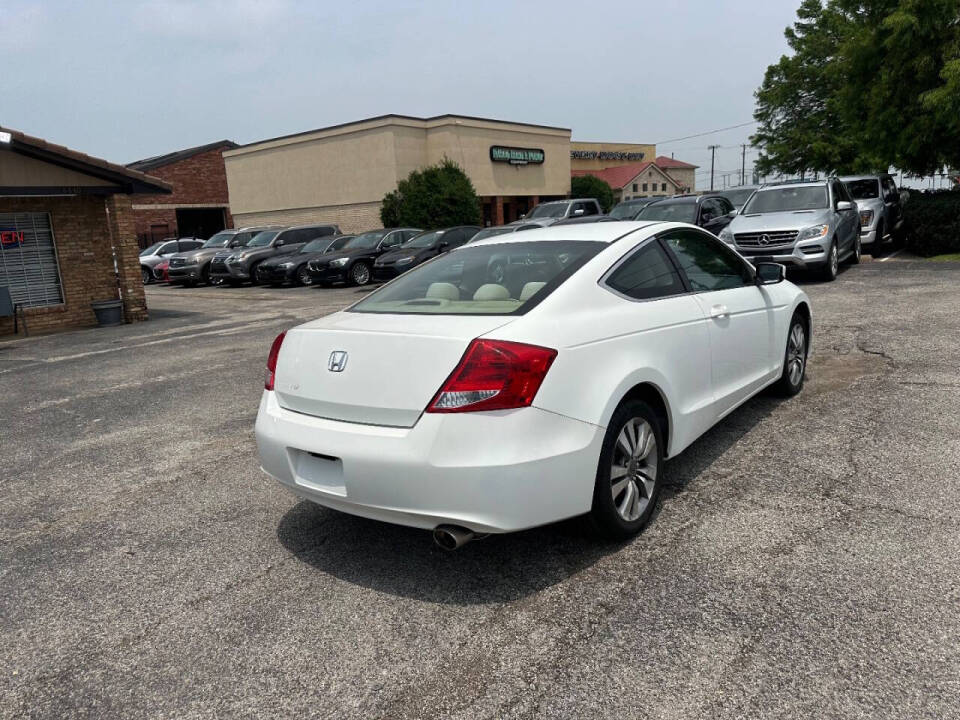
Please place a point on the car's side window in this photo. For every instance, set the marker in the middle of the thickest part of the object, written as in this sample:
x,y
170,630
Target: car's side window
x,y
647,274
589,208
707,262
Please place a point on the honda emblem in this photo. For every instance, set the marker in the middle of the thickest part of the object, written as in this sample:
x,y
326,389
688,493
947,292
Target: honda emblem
x,y
338,361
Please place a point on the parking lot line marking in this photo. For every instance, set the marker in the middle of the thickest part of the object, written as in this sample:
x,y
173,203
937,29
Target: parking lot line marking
x,y
891,255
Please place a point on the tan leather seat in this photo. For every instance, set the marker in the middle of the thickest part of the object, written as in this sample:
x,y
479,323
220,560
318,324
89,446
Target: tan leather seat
x,y
491,291
529,290
443,291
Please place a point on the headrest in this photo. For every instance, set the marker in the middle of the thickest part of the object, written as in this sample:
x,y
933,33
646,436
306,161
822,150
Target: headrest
x,y
491,291
530,289
443,291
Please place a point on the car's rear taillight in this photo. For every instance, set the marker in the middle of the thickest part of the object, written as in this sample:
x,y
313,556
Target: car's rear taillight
x,y
494,375
271,376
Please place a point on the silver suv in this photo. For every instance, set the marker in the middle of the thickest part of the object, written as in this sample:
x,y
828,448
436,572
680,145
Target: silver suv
x,y
881,208
809,224
550,212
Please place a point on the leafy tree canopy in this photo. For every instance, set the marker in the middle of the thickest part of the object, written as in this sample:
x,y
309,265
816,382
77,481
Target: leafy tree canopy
x,y
870,84
437,196
589,186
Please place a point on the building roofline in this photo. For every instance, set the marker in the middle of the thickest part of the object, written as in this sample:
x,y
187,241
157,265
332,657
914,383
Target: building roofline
x,y
166,159
398,117
125,180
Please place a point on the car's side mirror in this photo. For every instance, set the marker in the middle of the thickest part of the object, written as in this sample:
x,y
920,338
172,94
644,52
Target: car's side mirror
x,y
522,216
844,205
443,245
578,212
732,213
770,273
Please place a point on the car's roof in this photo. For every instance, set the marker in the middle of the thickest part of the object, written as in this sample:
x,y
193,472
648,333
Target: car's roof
x,y
805,183
680,199
607,232
850,178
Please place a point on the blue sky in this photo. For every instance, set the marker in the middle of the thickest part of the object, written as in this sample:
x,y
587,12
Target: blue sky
x,y
125,80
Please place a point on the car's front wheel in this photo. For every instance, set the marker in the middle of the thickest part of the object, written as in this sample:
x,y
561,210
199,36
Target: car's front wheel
x,y
360,274
303,275
857,251
794,359
145,275
629,474
832,266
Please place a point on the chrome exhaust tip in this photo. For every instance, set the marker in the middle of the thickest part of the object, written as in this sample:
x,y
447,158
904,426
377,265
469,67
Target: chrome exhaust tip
x,y
452,537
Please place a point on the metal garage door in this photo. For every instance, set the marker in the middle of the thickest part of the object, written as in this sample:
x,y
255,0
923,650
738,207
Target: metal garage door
x,y
28,259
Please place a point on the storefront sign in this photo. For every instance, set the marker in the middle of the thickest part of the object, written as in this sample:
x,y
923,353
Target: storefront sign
x,y
516,156
10,238
605,155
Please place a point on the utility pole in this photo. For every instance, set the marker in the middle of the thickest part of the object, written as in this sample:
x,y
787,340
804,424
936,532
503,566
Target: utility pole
x,y
713,152
743,166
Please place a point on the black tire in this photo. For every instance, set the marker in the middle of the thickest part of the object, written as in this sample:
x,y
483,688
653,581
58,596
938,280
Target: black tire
x,y
790,383
360,274
830,268
857,251
876,248
255,274
303,277
612,512
146,275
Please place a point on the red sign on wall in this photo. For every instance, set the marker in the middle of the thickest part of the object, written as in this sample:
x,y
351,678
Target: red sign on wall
x,y
10,238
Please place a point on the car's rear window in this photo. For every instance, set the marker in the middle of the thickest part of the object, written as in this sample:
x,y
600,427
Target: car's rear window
x,y
496,279
867,189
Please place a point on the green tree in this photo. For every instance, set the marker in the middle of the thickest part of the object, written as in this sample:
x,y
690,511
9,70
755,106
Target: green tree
x,y
869,84
437,196
589,186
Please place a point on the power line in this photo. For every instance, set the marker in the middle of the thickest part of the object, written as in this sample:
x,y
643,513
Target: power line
x,y
709,132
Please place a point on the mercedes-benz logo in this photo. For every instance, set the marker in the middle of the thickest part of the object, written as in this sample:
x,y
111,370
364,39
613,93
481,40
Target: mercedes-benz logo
x,y
338,361
764,239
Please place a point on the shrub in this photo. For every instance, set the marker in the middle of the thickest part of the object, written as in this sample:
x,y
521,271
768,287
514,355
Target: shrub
x,y
932,222
588,186
438,196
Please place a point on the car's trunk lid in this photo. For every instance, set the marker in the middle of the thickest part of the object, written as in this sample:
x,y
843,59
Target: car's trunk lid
x,y
392,368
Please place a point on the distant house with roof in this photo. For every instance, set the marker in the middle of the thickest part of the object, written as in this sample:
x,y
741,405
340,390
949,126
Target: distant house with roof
x,y
200,203
662,177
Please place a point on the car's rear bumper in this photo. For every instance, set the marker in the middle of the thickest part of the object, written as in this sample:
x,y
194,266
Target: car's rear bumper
x,y
488,471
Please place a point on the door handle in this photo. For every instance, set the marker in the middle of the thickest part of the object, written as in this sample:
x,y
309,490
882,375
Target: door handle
x,y
719,311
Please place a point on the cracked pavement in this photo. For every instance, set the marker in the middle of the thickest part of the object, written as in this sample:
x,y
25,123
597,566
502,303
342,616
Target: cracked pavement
x,y
804,560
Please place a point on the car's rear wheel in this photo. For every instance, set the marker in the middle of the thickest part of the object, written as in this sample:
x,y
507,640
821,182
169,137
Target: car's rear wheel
x,y
145,275
360,274
255,278
832,266
303,276
628,476
794,359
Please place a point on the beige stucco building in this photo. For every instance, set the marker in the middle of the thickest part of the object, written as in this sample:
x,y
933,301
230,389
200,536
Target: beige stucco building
x,y
340,174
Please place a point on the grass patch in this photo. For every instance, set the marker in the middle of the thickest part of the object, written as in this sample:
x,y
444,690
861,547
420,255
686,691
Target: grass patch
x,y
949,257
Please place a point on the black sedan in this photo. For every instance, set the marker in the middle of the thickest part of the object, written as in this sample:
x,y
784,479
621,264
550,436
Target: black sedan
x,y
424,246
711,212
293,268
354,263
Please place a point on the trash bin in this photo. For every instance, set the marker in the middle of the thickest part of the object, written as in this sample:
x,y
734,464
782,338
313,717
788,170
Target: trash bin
x,y
108,312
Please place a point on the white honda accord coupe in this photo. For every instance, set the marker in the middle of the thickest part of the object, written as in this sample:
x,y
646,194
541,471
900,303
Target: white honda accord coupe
x,y
528,378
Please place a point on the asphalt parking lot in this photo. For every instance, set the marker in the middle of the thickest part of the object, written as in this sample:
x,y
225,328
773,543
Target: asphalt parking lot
x,y
805,561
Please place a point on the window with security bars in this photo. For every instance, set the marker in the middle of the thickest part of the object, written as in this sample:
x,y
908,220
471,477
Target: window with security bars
x,y
28,259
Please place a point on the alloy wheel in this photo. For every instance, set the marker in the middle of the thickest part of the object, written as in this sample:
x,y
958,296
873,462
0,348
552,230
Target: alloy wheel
x,y
834,260
633,472
360,274
796,354
304,277
145,275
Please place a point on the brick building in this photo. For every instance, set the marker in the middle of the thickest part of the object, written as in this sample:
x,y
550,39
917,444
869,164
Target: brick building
x,y
199,205
660,177
67,233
